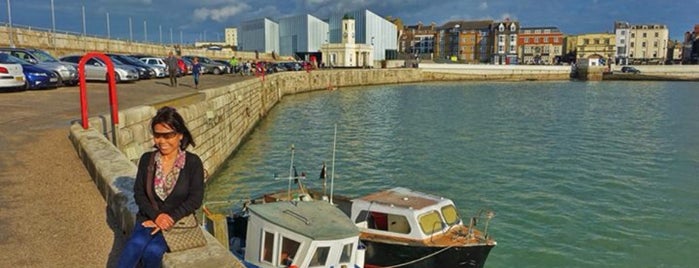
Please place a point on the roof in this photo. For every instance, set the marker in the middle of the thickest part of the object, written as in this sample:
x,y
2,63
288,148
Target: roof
x,y
317,220
467,25
403,197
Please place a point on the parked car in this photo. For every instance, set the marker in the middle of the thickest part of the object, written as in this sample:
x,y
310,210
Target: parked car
x,y
144,70
36,77
11,75
229,68
67,74
210,65
629,69
95,69
291,65
154,61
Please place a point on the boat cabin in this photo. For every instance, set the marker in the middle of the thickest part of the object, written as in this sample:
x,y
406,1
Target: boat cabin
x,y
404,213
301,234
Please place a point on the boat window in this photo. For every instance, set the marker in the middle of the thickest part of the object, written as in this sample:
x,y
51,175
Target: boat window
x,y
451,216
430,222
288,251
268,247
386,222
346,253
320,257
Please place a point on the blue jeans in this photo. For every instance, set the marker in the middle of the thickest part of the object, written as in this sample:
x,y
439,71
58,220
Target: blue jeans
x,y
196,78
144,247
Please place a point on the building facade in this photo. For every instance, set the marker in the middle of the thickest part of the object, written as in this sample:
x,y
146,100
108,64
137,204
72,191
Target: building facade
x,y
597,48
540,45
417,39
231,35
504,36
648,44
464,41
690,46
301,36
261,35
347,53
370,29
622,32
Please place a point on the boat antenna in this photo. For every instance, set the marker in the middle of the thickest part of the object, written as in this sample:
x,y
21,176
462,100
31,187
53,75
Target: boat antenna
x,y
332,174
291,171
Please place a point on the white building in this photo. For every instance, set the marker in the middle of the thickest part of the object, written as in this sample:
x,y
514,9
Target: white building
x,y
261,35
370,29
231,36
642,43
347,53
301,36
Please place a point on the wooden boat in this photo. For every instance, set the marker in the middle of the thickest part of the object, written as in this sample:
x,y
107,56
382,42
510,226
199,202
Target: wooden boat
x,y
405,228
295,234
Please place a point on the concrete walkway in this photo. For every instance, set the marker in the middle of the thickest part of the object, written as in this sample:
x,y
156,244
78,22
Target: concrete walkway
x,y
51,214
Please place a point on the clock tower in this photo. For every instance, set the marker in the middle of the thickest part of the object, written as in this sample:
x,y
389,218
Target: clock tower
x,y
347,29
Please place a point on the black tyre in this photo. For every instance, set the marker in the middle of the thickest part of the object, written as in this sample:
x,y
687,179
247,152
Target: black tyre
x,y
217,71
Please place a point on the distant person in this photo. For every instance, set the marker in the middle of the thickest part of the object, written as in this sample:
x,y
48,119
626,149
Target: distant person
x,y
173,68
196,71
234,64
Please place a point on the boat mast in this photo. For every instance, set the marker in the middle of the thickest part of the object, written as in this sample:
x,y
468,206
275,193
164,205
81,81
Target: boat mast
x,y
332,175
291,171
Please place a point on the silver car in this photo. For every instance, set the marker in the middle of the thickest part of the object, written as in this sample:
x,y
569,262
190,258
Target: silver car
x,y
95,69
67,74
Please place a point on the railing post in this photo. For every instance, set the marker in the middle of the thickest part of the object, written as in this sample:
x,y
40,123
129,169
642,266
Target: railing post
x,y
113,103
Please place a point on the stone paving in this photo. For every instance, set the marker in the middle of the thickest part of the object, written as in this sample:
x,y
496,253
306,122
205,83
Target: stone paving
x,y
51,214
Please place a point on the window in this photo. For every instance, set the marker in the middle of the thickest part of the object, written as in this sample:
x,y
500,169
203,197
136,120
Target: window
x,y
450,214
645,35
623,32
655,44
546,39
346,253
430,222
643,44
586,41
633,35
288,251
632,45
621,41
320,257
656,34
501,38
501,49
267,247
385,222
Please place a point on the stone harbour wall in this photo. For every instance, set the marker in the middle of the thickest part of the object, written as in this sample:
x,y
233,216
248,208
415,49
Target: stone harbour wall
x,y
219,120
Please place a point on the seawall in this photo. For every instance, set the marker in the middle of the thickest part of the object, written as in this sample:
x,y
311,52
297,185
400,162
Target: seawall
x,y
219,119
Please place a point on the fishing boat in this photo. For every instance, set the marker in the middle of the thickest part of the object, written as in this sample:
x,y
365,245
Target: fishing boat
x,y
405,228
295,234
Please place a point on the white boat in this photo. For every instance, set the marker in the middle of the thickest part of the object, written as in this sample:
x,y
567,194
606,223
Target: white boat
x,y
295,234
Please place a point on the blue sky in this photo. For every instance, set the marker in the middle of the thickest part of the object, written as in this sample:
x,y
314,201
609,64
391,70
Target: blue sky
x,y
196,18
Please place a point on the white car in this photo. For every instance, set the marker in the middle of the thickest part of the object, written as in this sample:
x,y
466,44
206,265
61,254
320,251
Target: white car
x,y
155,62
11,74
95,69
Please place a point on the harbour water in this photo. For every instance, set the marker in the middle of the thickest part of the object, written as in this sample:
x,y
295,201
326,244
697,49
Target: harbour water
x,y
579,174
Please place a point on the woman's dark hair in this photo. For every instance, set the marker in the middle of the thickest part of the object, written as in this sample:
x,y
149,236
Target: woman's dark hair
x,y
169,116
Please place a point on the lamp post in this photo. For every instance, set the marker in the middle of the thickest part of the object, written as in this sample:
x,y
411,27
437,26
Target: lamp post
x,y
9,17
160,30
130,31
145,31
84,29
53,27
109,33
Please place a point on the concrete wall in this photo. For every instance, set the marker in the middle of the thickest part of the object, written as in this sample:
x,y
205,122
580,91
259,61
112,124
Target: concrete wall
x,y
62,44
435,71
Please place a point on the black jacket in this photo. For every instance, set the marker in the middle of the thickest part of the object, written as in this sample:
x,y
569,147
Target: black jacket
x,y
184,199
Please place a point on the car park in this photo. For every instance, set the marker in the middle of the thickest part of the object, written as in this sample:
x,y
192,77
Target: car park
x,y
154,62
95,69
67,74
629,69
36,77
11,74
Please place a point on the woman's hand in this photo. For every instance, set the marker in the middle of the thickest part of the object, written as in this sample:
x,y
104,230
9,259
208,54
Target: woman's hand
x,y
164,221
151,224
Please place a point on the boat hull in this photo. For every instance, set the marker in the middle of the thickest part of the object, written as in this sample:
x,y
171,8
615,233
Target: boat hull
x,y
380,254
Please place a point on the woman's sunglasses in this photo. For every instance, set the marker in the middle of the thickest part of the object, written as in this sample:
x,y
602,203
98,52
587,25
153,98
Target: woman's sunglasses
x,y
164,135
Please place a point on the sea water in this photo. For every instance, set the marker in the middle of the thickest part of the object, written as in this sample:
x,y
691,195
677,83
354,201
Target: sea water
x,y
579,174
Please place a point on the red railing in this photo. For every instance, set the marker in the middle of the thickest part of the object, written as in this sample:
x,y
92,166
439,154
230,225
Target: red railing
x,y
113,104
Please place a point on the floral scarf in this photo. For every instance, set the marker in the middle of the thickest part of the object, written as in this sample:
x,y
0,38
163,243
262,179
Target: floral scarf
x,y
165,183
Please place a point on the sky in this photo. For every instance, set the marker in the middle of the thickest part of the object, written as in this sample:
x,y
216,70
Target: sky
x,y
206,19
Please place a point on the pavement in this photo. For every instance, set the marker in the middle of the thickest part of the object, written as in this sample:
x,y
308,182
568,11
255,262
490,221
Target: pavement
x,y
51,213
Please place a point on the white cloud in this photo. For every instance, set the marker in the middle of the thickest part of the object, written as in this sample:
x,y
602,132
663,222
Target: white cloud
x,y
483,6
220,14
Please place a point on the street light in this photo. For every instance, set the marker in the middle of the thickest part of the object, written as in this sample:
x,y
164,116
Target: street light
x,y
53,26
145,31
130,31
109,33
9,17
